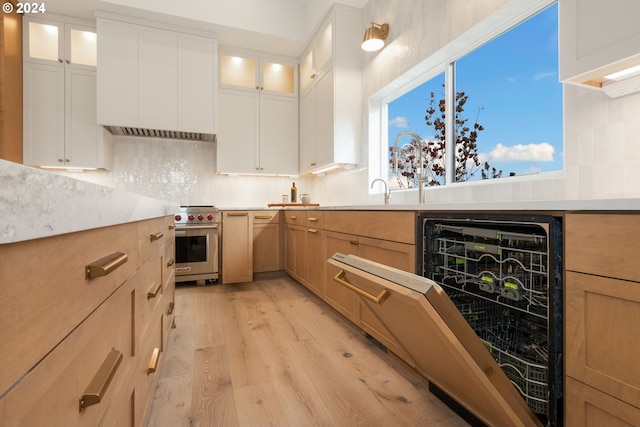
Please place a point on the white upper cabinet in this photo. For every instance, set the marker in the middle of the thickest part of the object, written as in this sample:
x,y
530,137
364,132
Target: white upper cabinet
x,y
60,127
155,78
48,41
331,94
597,38
258,101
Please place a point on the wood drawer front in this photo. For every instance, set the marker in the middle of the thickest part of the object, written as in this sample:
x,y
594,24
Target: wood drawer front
x,y
602,330
49,395
44,293
169,261
587,407
315,220
395,226
265,217
295,217
146,380
149,284
152,235
603,244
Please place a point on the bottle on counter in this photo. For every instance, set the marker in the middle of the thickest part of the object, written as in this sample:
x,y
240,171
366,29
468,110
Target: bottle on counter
x,y
294,193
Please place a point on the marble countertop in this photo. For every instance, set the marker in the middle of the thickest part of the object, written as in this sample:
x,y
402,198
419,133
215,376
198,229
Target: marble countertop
x,y
36,203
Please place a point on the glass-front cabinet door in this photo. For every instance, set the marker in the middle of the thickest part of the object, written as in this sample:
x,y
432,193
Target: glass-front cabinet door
x,y
253,72
50,41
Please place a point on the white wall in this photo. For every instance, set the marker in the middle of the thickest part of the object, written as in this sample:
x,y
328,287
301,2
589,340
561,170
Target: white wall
x,y
602,139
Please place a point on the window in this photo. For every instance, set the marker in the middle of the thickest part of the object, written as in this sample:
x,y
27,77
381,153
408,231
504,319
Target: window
x,y
507,112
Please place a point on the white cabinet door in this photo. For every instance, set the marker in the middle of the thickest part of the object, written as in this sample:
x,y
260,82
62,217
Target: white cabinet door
x,y
196,84
60,128
325,112
118,56
238,133
83,136
278,134
43,115
308,154
158,79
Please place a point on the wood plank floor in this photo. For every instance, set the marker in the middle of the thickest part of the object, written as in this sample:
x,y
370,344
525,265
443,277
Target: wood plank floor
x,y
270,353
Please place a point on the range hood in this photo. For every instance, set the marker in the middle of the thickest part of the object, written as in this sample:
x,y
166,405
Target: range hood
x,y
158,133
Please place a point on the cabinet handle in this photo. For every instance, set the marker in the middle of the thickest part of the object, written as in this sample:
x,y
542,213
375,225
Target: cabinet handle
x,y
237,213
156,236
313,163
293,217
171,227
263,217
153,293
100,382
170,311
173,323
153,362
60,160
312,76
60,60
312,219
380,299
354,242
171,262
67,61
313,230
67,160
104,265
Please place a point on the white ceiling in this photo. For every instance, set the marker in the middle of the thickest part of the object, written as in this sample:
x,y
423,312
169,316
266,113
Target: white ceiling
x,y
277,26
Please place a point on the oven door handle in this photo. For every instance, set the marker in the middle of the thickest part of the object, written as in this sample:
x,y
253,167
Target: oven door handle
x,y
200,227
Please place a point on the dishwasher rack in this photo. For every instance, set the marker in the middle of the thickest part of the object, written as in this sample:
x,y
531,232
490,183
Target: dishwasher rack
x,y
504,274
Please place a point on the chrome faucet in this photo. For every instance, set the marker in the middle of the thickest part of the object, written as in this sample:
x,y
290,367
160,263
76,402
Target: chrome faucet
x,y
422,178
387,192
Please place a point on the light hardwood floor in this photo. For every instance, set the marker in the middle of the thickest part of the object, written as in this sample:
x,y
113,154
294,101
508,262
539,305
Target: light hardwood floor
x,y
270,353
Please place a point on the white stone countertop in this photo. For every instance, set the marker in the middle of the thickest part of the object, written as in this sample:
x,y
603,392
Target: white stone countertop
x,y
35,203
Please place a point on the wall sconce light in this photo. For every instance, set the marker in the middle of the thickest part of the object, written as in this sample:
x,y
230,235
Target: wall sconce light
x,y
374,37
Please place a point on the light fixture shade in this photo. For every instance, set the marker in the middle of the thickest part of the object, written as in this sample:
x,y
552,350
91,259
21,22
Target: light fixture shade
x,y
374,37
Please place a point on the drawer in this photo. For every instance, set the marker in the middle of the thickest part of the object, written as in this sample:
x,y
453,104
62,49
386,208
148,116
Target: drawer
x,y
44,294
146,370
169,262
396,226
266,217
315,219
152,235
587,406
295,217
50,394
150,291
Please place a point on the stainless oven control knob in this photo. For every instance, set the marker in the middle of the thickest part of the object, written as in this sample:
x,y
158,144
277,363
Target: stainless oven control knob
x,y
178,217
200,217
209,217
190,217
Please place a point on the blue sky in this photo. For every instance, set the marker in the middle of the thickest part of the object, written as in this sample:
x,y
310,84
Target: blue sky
x,y
514,80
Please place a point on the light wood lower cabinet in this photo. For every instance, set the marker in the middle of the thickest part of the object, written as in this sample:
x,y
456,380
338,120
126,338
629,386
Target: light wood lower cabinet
x,y
237,247
83,323
602,320
266,241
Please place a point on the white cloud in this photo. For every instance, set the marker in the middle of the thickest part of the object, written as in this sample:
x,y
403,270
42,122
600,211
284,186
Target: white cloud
x,y
542,152
399,122
540,76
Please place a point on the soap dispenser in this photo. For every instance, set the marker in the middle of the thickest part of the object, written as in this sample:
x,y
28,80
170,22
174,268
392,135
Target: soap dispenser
x,y
294,193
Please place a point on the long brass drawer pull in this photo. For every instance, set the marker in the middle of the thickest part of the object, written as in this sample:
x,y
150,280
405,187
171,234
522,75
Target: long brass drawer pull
x,y
156,236
312,219
171,227
263,217
380,299
313,230
153,362
238,213
104,265
101,380
171,262
153,293
171,306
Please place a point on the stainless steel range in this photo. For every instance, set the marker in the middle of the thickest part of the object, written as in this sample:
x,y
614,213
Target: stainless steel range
x,y
197,242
